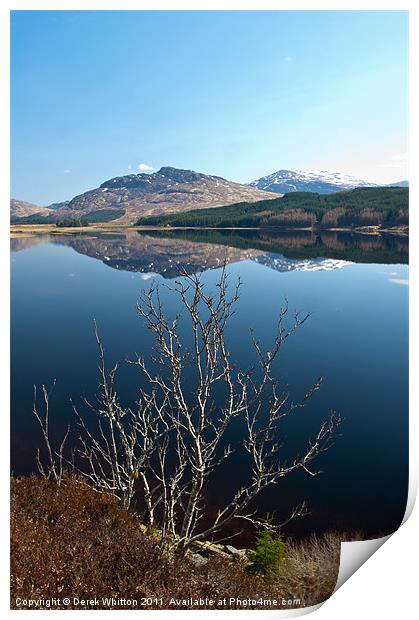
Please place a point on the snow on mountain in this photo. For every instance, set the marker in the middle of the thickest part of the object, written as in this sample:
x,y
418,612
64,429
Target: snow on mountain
x,y
320,181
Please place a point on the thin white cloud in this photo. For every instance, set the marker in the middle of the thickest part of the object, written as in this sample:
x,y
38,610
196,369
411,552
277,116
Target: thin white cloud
x,y
394,164
288,59
129,166
67,171
397,161
145,168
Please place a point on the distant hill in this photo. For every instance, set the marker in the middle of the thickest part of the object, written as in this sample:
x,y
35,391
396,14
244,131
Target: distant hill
x,y
399,184
319,181
374,206
58,205
124,199
20,209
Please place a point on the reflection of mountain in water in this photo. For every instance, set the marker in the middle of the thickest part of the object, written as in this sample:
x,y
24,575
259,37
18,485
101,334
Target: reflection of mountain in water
x,y
145,254
24,242
280,263
166,257
171,253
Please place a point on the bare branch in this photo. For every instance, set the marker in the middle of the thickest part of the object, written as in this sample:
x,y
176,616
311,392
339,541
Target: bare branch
x,y
168,445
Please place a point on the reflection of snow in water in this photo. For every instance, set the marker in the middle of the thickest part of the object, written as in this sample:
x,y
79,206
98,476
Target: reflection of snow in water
x,y
404,281
280,263
271,261
148,275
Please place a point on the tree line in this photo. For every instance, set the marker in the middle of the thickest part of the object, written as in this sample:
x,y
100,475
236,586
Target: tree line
x,y
372,206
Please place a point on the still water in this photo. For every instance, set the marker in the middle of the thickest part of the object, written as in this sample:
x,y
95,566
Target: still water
x,y
354,286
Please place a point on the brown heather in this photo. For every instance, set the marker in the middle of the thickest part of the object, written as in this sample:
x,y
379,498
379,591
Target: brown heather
x,y
70,541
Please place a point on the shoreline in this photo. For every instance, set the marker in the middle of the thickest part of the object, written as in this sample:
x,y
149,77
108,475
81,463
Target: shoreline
x,y
17,230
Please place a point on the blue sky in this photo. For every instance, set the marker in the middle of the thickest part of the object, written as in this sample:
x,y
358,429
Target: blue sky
x,y
96,94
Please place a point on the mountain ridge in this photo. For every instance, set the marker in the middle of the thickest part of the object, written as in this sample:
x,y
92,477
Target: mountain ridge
x,y
124,199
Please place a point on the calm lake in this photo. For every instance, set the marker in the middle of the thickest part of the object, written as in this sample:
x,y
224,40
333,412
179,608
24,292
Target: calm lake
x,y
354,286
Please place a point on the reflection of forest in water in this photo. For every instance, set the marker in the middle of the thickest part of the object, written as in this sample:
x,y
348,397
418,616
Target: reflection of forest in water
x,y
344,245
170,252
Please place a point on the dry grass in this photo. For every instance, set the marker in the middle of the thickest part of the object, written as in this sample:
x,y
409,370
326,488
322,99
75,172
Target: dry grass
x,y
313,568
33,229
70,541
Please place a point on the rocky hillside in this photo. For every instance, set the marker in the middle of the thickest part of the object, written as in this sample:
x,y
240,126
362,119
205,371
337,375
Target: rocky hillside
x,y
320,181
20,208
170,190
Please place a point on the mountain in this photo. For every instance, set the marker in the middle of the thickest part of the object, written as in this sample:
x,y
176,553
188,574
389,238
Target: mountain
x,y
170,190
20,208
320,181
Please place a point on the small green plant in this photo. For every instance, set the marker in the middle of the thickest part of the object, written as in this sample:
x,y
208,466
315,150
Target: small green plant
x,y
269,557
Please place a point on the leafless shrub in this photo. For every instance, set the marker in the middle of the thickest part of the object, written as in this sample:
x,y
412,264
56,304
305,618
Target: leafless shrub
x,y
174,439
